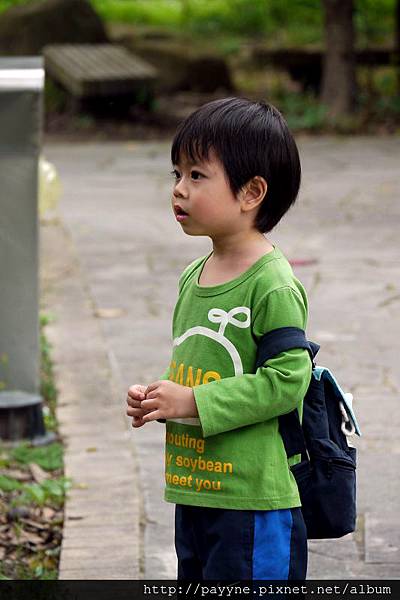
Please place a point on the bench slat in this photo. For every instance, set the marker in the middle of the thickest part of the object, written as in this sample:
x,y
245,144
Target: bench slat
x,y
97,69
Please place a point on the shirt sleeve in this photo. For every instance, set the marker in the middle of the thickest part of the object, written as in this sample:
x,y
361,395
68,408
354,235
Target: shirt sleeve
x,y
274,389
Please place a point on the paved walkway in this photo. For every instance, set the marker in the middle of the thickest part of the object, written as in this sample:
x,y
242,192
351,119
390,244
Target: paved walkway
x,y
110,267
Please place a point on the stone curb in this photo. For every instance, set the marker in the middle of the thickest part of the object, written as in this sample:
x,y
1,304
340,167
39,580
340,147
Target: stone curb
x,y
101,538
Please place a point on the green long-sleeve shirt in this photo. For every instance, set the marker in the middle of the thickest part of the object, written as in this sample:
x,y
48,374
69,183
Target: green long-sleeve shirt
x,y
233,456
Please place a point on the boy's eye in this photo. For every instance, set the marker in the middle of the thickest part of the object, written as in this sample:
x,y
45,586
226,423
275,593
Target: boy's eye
x,y
195,175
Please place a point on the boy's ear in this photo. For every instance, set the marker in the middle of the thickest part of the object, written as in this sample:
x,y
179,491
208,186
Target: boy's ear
x,y
253,193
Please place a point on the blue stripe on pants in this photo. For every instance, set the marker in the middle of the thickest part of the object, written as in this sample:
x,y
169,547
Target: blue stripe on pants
x,y
271,550
224,544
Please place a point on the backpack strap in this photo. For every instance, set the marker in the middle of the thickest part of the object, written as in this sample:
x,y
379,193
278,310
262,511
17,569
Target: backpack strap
x,y
282,339
272,343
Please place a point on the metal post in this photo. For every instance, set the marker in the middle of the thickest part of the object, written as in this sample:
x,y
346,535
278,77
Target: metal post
x,y
21,91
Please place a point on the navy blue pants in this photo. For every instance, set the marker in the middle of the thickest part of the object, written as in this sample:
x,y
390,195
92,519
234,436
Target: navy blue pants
x,y
222,544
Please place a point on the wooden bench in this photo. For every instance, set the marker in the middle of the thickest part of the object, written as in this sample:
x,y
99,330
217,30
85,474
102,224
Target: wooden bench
x,y
102,70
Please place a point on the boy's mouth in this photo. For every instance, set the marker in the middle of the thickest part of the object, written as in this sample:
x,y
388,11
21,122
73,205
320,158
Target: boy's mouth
x,y
180,214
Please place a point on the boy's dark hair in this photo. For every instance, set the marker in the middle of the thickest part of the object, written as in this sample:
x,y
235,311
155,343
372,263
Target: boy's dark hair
x,y
250,139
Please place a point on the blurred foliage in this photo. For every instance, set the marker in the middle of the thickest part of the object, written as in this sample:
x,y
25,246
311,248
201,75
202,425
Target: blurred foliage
x,y
5,4
303,112
55,97
48,457
374,22
378,97
279,22
48,491
378,100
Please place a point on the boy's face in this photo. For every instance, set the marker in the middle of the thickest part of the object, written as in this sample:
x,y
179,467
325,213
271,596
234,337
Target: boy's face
x,y
202,199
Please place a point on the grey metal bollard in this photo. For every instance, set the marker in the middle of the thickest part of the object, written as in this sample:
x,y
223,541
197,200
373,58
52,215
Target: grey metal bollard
x,y
21,92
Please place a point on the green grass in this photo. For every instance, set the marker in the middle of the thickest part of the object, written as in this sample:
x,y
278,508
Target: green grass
x,y
48,457
47,386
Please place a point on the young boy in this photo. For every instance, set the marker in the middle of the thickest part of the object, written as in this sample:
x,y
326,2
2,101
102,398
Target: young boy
x,y
237,172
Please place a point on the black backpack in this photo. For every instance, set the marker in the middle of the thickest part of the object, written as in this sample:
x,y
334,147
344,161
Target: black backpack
x,y
326,474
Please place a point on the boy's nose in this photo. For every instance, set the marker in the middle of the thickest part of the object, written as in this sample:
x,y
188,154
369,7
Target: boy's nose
x,y
180,189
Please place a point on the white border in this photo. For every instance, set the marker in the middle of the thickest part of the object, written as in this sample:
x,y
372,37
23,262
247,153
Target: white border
x,y
21,79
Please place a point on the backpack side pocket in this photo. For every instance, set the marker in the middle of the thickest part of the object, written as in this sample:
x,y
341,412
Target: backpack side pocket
x,y
327,488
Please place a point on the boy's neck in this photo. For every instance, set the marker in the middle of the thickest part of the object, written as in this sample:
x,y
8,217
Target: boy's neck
x,y
232,256
241,247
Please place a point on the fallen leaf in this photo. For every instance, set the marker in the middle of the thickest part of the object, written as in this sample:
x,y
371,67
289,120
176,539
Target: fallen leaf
x,y
81,486
92,449
28,536
390,287
48,513
38,474
108,313
387,301
13,538
34,524
18,474
37,513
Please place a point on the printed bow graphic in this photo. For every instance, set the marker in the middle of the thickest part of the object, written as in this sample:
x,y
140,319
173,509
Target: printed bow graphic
x,y
218,315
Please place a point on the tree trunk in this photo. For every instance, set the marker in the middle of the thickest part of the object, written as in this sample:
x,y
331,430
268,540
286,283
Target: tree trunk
x,y
339,74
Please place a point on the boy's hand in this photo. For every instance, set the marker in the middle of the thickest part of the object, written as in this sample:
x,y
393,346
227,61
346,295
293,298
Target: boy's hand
x,y
136,394
168,400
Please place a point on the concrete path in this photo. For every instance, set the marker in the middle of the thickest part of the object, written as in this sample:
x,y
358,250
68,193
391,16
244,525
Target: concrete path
x,y
116,223
102,516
